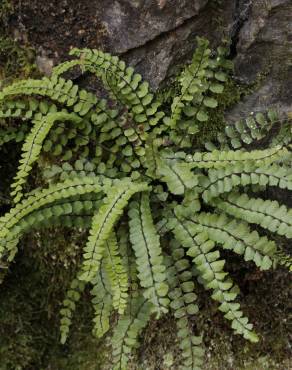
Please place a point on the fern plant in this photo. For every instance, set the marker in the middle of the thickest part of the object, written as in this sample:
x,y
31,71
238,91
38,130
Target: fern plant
x,y
159,210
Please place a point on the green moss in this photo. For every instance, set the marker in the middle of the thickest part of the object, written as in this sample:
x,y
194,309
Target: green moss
x,y
29,309
15,60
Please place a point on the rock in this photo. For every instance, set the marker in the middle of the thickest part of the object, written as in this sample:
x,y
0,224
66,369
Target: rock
x,y
157,35
264,55
44,64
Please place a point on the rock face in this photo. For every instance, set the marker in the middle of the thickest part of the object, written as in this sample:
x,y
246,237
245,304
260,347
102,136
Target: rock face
x,y
264,53
156,35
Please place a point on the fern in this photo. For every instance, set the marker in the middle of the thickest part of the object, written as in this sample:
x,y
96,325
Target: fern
x,y
116,274
182,303
157,208
102,304
126,333
102,225
145,242
33,145
69,306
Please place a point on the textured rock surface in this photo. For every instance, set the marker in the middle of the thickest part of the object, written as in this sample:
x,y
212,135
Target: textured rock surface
x,y
156,35
264,53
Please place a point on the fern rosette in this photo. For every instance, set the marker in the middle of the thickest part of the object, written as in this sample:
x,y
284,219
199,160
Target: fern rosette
x,y
159,211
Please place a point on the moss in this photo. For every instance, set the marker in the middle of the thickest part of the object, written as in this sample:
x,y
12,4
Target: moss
x,y
31,296
15,60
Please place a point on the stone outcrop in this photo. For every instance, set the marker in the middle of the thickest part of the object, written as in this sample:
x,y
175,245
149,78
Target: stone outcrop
x,y
156,35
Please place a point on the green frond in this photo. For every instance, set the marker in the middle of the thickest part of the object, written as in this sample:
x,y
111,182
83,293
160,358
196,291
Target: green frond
x,y
24,108
116,273
125,337
267,213
225,180
57,89
246,131
217,159
178,176
283,259
10,223
103,222
236,236
125,85
12,134
33,145
182,303
210,268
146,244
102,304
128,258
201,81
64,67
69,306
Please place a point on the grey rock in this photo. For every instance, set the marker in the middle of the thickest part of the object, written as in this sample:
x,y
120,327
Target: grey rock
x,y
157,35
264,57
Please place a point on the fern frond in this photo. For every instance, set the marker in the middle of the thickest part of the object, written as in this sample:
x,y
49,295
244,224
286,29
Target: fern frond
x,y
146,244
24,108
236,236
126,86
103,222
225,180
283,259
57,89
12,134
33,145
10,223
267,213
182,303
210,268
128,258
178,176
64,67
116,273
69,306
217,159
125,337
201,82
102,304
192,81
246,131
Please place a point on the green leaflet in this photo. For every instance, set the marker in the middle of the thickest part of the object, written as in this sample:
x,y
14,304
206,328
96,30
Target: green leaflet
x,y
129,326
146,245
33,145
103,222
